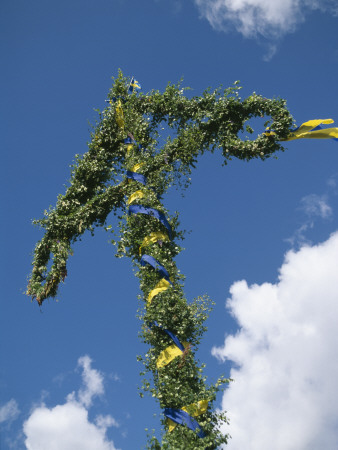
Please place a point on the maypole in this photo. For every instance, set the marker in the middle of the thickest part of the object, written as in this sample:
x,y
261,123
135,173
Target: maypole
x,y
126,142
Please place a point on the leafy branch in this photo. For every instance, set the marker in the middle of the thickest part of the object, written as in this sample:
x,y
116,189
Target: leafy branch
x,y
127,140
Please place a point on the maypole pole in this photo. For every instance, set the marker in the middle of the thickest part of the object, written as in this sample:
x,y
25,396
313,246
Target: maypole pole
x,y
125,142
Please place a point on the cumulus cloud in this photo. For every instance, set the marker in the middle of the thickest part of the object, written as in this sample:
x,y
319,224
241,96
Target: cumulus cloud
x,y
285,369
9,411
266,18
67,426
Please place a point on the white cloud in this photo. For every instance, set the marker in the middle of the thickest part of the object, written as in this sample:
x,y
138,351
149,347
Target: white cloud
x,y
67,426
316,205
104,422
175,5
114,377
268,18
270,52
285,392
313,206
9,411
93,382
332,183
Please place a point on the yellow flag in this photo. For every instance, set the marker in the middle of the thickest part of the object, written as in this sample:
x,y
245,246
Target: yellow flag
x,y
152,238
135,196
194,410
161,286
119,116
168,354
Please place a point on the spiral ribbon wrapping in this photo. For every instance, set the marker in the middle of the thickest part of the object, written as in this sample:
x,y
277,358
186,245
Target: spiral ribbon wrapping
x,y
175,416
139,209
155,236
170,334
181,417
147,259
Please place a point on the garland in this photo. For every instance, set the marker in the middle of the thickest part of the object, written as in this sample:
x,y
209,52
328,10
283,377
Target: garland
x,y
126,141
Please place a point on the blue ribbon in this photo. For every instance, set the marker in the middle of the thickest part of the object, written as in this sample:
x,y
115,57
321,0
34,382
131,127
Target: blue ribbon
x,y
138,209
129,140
147,259
171,334
137,177
183,418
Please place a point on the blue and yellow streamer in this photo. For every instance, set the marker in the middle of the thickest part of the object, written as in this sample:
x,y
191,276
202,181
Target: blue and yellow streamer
x,y
136,177
161,286
147,259
194,410
119,116
135,196
170,334
139,209
137,167
311,130
155,236
170,353
181,417
130,142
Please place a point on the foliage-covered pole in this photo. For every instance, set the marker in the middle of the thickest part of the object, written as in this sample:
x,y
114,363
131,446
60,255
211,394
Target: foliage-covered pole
x,y
126,141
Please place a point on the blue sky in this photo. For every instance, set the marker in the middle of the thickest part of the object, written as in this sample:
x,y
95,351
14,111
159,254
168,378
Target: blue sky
x,y
263,234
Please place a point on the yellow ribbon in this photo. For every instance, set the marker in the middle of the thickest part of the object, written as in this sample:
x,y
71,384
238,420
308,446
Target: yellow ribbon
x,y
161,286
327,133
135,196
305,131
195,409
119,116
129,148
152,238
168,354
311,124
137,167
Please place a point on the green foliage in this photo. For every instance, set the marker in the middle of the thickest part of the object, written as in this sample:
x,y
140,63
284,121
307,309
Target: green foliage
x,y
198,124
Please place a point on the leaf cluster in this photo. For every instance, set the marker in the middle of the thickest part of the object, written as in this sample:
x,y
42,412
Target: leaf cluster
x,y
98,185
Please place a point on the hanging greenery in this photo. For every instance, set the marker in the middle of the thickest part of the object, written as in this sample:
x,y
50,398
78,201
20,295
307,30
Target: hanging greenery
x,y
127,141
